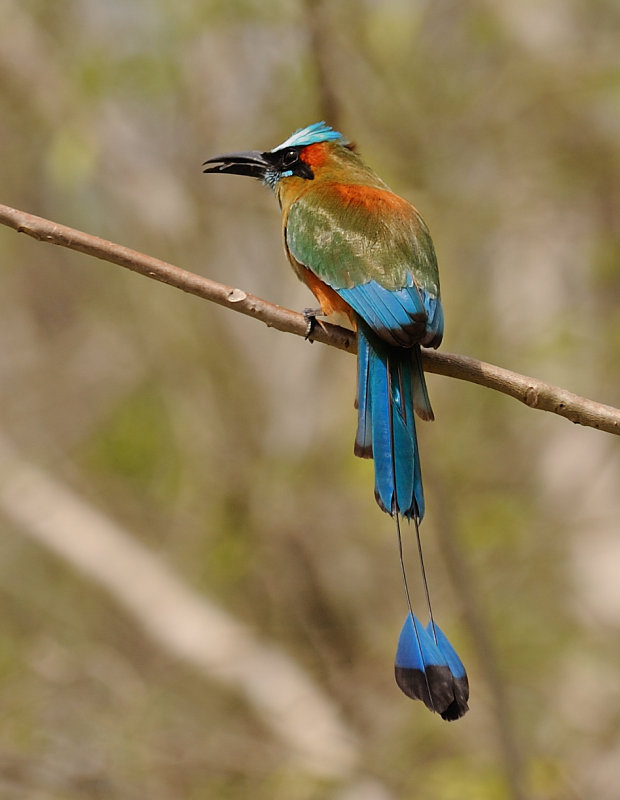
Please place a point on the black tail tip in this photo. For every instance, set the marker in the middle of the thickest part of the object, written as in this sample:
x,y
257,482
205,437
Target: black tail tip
x,y
440,691
427,668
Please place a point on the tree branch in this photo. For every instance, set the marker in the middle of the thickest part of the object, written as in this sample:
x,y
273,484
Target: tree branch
x,y
532,392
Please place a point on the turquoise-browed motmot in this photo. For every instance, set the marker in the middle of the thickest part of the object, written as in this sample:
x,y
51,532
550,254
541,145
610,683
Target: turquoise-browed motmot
x,y
365,251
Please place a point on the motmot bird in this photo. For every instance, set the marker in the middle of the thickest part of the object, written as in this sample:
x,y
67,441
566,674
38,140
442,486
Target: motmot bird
x,y
366,252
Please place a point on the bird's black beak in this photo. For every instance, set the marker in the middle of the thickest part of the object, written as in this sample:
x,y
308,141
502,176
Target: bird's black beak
x,y
252,163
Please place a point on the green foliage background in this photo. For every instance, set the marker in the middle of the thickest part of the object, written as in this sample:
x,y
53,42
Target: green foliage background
x,y
226,448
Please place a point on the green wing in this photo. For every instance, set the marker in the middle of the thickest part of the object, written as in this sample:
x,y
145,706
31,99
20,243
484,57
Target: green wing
x,y
375,251
375,236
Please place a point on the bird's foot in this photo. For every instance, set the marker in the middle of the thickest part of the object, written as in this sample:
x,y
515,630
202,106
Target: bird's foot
x,y
310,315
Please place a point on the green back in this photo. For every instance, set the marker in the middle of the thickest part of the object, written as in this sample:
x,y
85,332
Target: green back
x,y
348,228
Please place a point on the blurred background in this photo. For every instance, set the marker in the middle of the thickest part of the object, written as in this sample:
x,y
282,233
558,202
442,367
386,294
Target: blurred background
x,y
198,595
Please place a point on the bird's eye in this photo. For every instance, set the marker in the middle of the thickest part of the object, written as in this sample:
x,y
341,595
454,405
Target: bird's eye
x,y
290,157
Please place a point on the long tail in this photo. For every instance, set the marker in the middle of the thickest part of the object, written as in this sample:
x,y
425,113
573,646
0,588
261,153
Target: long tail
x,y
390,387
389,379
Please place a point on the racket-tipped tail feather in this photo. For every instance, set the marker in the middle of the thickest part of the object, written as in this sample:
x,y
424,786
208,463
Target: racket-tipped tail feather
x,y
427,668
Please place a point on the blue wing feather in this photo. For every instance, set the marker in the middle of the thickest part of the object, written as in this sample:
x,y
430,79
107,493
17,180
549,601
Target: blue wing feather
x,y
434,324
361,303
400,317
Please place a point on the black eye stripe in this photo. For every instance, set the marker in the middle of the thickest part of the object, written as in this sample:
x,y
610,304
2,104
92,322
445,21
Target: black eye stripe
x,y
288,162
290,157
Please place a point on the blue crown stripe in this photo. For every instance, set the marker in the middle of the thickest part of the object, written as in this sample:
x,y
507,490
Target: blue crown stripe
x,y
318,132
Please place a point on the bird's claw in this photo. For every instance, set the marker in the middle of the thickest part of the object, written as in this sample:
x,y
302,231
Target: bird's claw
x,y
310,315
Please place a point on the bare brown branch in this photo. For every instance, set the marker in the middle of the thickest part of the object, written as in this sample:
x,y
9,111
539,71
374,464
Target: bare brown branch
x,y
532,392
